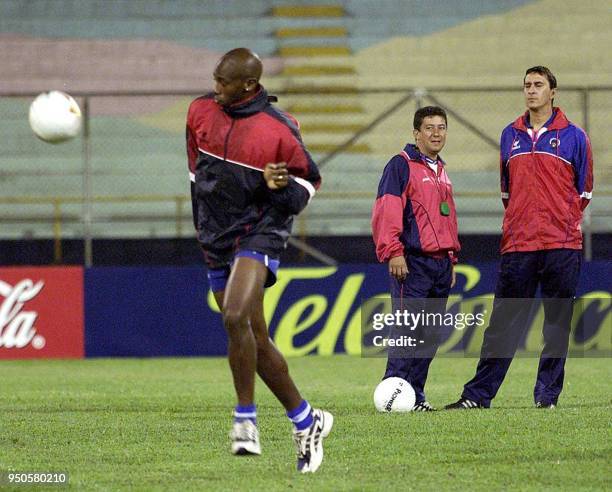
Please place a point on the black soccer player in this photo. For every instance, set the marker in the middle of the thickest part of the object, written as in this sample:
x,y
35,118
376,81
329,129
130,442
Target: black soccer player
x,y
250,174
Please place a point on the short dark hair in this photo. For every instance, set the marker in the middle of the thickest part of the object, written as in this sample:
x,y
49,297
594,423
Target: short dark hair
x,y
545,72
426,111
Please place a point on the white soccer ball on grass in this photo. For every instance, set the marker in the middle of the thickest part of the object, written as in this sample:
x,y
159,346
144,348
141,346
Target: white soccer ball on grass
x,y
55,117
394,395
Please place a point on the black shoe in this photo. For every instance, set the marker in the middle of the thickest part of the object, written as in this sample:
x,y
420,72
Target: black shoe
x,y
463,404
541,404
423,406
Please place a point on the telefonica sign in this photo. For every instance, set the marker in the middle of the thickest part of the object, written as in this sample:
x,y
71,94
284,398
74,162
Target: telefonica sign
x,y
169,311
307,317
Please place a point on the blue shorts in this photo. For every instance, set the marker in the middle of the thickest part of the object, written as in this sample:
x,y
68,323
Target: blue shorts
x,y
217,277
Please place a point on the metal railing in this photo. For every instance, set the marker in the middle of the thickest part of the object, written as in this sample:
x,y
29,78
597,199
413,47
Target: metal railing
x,y
86,199
59,218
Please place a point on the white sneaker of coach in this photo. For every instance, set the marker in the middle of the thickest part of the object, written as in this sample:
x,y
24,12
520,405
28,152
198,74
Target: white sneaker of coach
x,y
309,442
245,438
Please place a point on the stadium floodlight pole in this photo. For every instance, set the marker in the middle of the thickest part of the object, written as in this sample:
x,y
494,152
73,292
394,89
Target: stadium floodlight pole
x,y
87,191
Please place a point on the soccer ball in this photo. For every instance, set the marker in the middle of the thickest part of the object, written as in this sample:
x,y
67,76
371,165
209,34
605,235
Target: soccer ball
x,y
55,117
394,395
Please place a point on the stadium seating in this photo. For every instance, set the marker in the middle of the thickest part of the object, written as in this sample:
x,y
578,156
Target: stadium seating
x,y
320,59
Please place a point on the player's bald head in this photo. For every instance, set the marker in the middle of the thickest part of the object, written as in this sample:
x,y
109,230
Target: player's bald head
x,y
236,76
240,64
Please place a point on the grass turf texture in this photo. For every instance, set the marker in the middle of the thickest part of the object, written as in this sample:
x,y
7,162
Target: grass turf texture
x,y
160,424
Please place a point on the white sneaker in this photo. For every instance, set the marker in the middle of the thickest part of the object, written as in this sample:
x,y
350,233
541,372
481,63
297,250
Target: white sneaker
x,y
309,442
245,438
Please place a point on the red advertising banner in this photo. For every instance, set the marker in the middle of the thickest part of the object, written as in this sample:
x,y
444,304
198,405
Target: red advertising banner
x,y
41,313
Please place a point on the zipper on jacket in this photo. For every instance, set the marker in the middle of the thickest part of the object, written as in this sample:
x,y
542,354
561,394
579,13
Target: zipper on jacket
x,y
437,174
535,137
227,136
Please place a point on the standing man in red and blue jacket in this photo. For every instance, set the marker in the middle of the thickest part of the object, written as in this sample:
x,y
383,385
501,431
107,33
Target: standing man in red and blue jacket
x,y
546,183
414,225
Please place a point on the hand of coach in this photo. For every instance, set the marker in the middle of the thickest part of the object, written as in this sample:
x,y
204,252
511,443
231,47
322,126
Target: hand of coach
x,y
399,269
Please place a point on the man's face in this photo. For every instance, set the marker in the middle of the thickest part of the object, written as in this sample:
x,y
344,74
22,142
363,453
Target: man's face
x,y
538,94
431,137
230,87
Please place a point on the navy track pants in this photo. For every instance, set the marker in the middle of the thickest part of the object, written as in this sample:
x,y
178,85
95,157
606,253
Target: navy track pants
x,y
428,278
557,272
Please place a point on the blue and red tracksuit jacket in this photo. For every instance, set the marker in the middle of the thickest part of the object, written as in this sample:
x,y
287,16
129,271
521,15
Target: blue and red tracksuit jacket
x,y
406,218
546,183
227,150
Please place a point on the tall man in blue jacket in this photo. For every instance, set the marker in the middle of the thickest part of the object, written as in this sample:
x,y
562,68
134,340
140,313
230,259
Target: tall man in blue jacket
x,y
546,183
250,174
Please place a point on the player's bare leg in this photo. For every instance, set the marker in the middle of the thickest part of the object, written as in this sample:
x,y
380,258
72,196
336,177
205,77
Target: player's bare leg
x,y
245,288
311,425
271,365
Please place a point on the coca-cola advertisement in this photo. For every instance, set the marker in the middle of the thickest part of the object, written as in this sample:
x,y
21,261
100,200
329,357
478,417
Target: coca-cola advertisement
x,y
41,313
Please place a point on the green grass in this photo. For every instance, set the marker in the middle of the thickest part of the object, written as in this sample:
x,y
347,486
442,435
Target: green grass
x,y
162,424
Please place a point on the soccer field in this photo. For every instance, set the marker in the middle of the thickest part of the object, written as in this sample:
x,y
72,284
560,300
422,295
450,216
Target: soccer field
x,y
162,424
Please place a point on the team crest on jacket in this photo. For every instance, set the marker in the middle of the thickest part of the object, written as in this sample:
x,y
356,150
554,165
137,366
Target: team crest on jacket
x,y
554,142
516,144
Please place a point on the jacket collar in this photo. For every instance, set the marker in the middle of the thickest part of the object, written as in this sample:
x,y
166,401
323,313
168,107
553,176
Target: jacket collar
x,y
414,154
557,121
254,104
